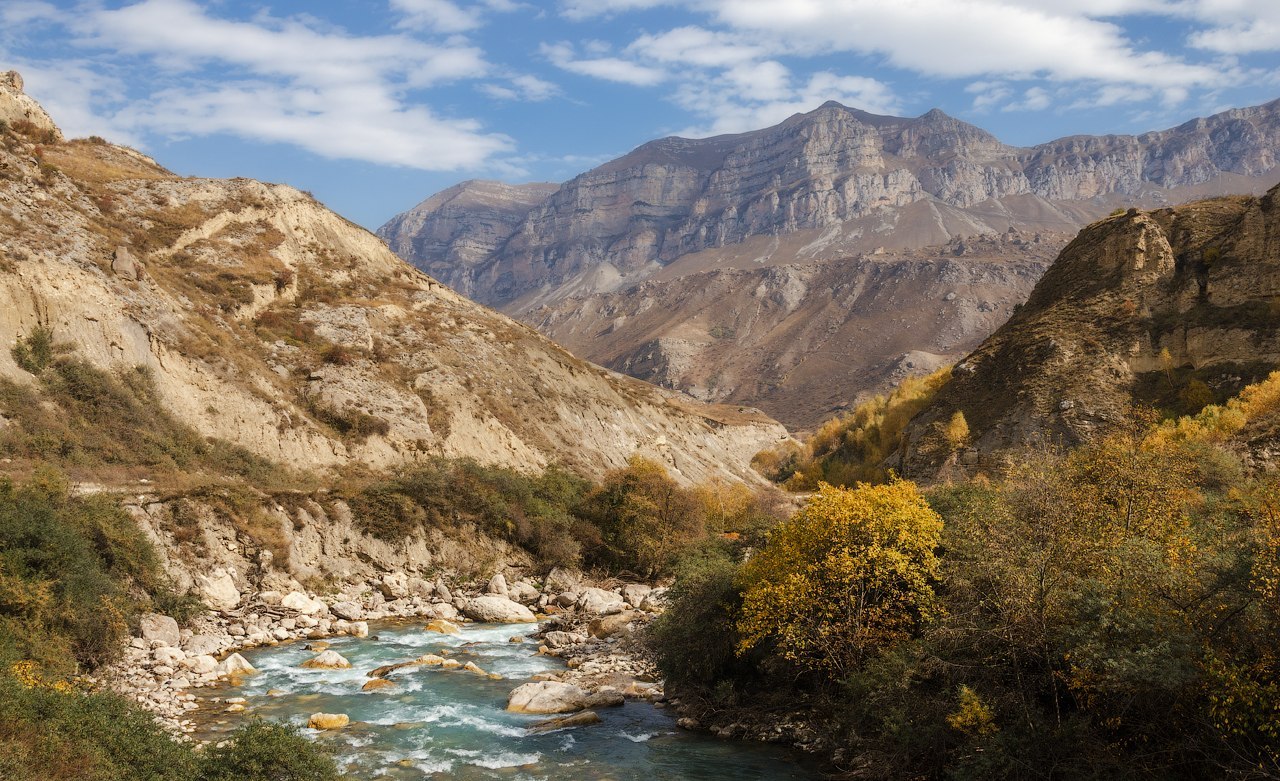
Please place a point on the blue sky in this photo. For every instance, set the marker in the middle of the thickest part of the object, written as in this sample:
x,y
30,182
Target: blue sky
x,y
373,105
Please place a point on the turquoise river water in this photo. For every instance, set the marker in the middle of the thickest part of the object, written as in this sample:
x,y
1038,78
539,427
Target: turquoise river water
x,y
451,724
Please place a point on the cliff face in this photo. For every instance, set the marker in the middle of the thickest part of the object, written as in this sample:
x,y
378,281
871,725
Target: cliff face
x,y
268,321
803,340
1137,308
847,179
463,226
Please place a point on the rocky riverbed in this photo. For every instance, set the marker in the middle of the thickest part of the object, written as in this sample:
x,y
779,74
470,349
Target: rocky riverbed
x,y
170,671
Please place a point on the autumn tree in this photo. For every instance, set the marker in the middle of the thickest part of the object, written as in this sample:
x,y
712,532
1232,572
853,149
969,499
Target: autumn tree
x,y
850,573
643,516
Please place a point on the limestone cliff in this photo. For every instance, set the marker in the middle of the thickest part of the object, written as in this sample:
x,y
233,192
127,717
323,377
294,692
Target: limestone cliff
x,y
849,182
1139,307
268,321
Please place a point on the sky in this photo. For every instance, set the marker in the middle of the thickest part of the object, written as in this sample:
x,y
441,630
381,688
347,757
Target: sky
x,y
373,105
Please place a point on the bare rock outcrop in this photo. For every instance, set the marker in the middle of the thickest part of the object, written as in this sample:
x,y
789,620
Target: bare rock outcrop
x,y
16,108
1136,309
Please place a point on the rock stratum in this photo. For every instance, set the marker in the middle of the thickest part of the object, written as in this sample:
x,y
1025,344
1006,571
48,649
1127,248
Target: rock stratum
x,y
1139,308
268,321
836,185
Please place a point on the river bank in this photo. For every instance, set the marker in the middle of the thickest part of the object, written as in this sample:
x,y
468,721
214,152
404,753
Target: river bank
x,y
168,669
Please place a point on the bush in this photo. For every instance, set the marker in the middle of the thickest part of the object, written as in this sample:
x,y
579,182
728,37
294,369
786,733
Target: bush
x,y
52,734
267,751
695,641
34,353
73,572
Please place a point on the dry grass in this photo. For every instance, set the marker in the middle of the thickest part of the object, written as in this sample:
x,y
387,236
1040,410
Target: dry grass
x,y
100,164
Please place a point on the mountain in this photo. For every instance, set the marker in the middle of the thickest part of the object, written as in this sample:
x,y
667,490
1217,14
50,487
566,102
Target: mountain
x,y
267,321
802,340
833,185
1174,307
861,179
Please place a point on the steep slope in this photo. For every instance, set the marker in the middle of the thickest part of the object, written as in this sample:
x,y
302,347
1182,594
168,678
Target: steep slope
x,y
803,340
1175,307
850,182
268,321
461,227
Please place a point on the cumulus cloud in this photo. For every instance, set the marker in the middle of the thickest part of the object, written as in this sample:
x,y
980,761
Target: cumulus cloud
x,y
1024,55
285,80
731,106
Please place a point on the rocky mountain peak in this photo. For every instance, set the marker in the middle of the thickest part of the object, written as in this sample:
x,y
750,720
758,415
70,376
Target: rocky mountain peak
x,y
18,107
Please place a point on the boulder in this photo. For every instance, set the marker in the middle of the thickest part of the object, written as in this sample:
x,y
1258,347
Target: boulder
x,y
498,610
201,664
218,590
327,660
325,721
270,597
497,585
562,639
557,697
443,627
634,593
198,645
608,626
154,626
347,610
583,719
450,664
235,665
358,629
562,579
442,610
169,656
599,602
524,592
376,684
387,669
296,600
428,660
394,585
472,667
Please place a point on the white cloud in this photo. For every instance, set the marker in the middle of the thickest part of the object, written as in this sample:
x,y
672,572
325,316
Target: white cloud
x,y
440,15
525,87
286,80
966,39
624,71
729,108
578,10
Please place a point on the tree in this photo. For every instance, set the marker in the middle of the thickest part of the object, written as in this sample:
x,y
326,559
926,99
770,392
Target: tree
x,y
850,573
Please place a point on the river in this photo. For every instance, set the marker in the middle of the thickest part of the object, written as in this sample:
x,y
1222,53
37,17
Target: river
x,y
452,724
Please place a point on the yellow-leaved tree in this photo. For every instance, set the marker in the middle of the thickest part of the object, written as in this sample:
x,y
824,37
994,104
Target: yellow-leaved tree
x,y
850,573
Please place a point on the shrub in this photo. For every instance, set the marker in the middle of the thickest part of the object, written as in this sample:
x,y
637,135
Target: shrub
x,y
73,571
267,751
851,573
35,351
695,641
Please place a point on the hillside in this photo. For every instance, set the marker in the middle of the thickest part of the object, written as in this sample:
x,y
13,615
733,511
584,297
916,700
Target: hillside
x,y
1172,307
267,321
